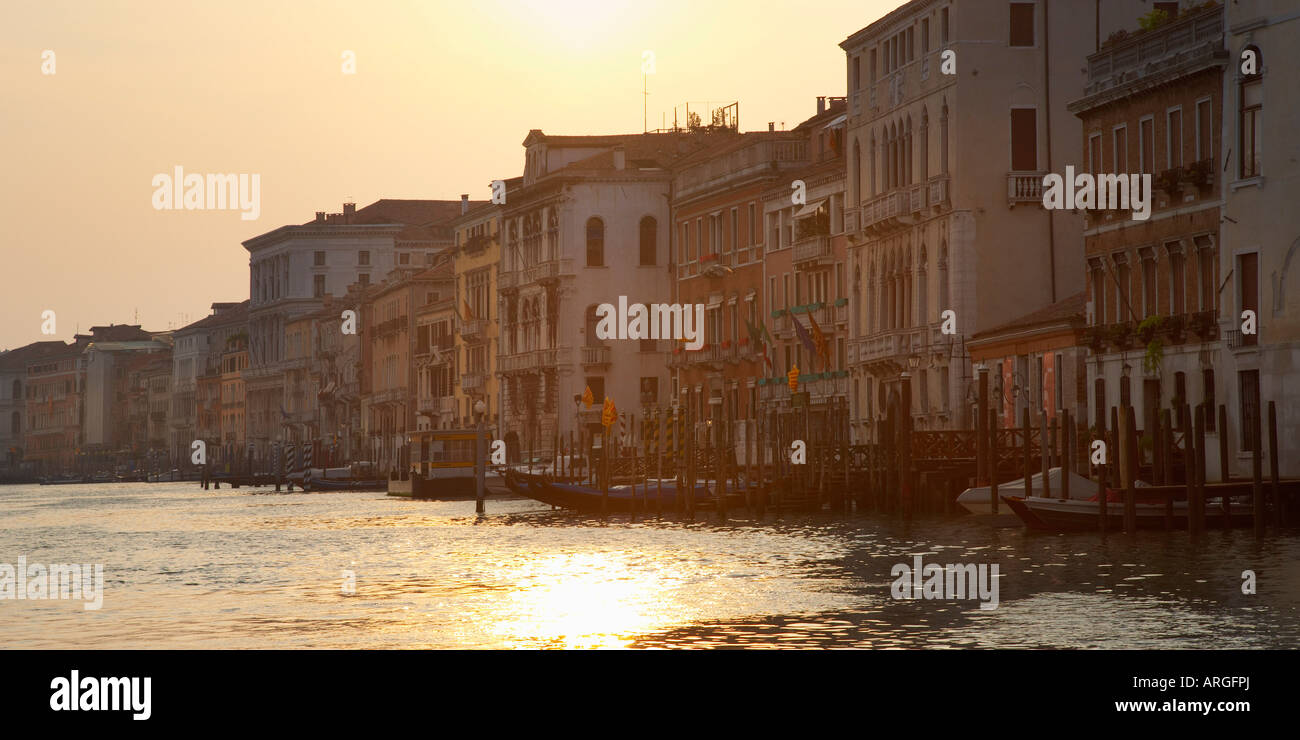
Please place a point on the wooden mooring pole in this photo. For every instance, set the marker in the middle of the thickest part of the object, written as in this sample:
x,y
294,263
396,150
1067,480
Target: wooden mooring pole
x,y
1128,457
1278,517
993,460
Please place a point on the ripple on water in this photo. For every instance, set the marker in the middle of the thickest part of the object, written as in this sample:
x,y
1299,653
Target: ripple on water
x,y
187,568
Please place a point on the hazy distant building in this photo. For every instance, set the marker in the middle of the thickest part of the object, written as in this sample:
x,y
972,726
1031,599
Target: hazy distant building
x,y
197,352
13,398
293,268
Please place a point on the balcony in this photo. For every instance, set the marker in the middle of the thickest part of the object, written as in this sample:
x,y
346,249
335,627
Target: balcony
x,y
534,360
885,212
1025,187
813,251
438,405
938,195
1192,38
473,329
508,282
597,354
886,353
473,382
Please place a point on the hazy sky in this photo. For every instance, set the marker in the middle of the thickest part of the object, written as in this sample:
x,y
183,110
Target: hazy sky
x,y
442,97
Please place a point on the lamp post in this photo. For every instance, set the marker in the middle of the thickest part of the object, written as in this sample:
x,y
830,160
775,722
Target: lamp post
x,y
480,457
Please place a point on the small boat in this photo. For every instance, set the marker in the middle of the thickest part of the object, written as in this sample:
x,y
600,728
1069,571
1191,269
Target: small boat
x,y
979,503
359,476
1072,515
442,467
651,494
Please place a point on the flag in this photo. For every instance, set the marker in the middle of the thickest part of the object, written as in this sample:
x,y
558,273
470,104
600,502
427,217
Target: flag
x,y
587,398
469,312
755,336
792,378
609,413
820,340
804,336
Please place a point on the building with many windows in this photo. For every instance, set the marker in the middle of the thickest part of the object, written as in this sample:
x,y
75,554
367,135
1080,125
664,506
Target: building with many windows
x,y
1258,264
293,268
717,213
477,261
942,215
572,240
1153,106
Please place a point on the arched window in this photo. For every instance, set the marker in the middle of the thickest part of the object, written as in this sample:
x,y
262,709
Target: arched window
x,y
871,152
943,140
944,298
922,294
649,241
18,389
857,170
592,321
595,242
925,145
907,153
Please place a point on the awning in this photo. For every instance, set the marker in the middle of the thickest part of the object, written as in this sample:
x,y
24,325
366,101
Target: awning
x,y
810,209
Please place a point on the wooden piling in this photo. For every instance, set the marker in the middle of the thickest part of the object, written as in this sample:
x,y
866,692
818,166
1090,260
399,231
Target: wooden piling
x,y
993,460
1100,472
1028,454
1257,472
1112,450
1276,488
905,443
1128,453
1226,500
1045,448
981,427
1196,506
1066,454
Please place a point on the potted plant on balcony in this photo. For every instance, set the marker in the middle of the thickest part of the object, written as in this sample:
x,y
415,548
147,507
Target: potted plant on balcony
x,y
1203,324
818,224
1149,327
1169,180
1119,334
1148,331
1095,336
1201,174
1174,327
709,257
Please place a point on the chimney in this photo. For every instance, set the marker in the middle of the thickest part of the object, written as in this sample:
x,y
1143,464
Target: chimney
x,y
620,157
349,210
464,203
771,126
320,217
821,104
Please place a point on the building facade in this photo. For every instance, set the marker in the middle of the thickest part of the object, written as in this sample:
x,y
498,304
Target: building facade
x,y
1260,164
1153,106
942,215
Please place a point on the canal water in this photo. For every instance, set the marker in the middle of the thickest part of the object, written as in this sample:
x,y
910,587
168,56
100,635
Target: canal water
x,y
248,568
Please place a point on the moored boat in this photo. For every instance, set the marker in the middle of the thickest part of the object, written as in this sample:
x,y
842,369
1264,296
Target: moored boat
x,y
1071,515
647,495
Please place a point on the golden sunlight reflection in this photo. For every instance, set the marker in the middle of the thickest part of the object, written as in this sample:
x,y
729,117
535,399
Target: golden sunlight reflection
x,y
589,600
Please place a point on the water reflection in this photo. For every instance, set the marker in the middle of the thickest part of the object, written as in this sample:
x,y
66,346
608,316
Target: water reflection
x,y
234,568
